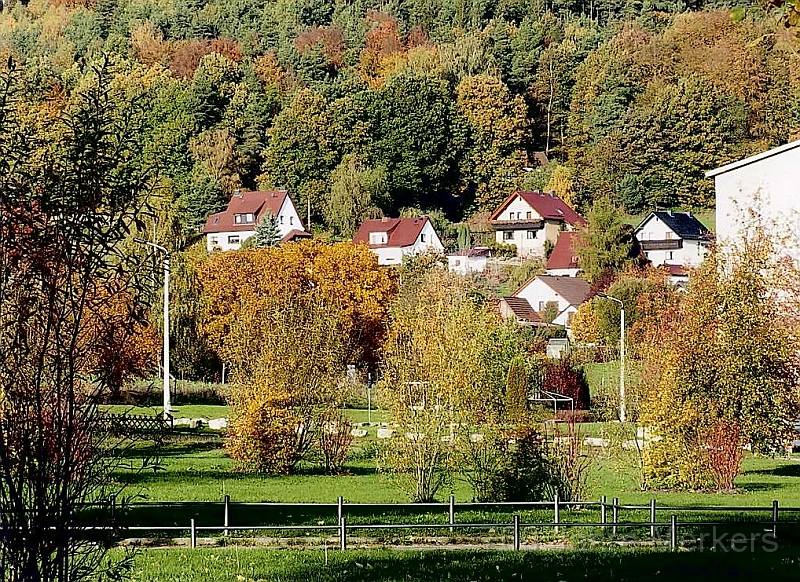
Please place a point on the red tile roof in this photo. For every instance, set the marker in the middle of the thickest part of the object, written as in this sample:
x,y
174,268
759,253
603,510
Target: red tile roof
x,y
573,289
548,205
400,232
676,270
256,203
564,255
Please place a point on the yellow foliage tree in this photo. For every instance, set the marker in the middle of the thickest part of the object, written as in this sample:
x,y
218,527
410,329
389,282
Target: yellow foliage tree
x,y
288,320
586,325
725,356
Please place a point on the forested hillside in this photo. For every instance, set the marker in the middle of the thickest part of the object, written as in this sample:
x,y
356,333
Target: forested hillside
x,y
434,105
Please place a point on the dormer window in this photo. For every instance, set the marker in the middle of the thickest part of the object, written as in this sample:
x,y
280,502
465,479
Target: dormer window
x,y
248,218
377,238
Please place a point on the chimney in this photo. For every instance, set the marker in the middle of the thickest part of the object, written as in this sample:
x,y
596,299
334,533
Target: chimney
x,y
688,213
552,193
384,219
669,212
237,192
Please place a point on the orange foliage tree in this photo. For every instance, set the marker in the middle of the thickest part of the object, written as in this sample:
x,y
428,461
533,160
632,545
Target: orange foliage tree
x,y
122,343
288,320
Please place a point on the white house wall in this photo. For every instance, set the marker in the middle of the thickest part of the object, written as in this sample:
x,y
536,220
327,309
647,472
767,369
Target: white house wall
x,y
431,241
691,255
769,186
464,265
519,209
288,218
219,240
539,295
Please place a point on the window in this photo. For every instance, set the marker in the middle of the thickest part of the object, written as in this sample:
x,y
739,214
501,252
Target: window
x,y
528,215
281,219
422,238
508,235
458,263
248,218
541,306
531,234
213,240
519,215
233,239
511,216
669,256
291,220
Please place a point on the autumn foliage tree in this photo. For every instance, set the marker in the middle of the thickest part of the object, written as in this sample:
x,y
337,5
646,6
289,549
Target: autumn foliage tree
x,y
724,357
68,199
288,320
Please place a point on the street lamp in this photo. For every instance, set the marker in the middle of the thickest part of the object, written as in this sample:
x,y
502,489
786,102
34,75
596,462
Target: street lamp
x,y
167,402
621,353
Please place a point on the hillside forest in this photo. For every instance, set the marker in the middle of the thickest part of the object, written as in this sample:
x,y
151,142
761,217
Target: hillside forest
x,y
439,106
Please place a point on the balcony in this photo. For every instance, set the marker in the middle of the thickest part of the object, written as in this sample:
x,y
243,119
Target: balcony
x,y
662,245
523,224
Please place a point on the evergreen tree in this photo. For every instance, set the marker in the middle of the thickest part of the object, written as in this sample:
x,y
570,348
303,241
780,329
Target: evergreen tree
x,y
267,232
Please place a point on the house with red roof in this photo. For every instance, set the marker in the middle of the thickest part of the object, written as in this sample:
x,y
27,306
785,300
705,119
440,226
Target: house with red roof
x,y
527,219
563,260
227,230
392,238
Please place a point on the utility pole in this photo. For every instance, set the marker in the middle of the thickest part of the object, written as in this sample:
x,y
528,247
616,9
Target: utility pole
x,y
167,400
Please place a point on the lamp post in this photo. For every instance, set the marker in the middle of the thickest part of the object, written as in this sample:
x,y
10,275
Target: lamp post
x,y
621,353
167,402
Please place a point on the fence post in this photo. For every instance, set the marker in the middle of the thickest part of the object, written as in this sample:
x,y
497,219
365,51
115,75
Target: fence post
x,y
340,508
775,519
556,512
192,535
342,533
112,501
673,532
603,511
652,518
614,514
227,513
516,532
452,512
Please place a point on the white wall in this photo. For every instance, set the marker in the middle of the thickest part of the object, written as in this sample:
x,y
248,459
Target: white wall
x,y
431,241
520,210
769,184
563,272
222,243
538,295
288,219
691,255
464,265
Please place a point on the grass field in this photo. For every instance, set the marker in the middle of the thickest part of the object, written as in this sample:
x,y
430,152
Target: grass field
x,y
203,472
612,565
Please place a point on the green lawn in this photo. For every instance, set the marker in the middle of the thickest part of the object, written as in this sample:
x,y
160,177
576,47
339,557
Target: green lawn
x,y
611,565
203,472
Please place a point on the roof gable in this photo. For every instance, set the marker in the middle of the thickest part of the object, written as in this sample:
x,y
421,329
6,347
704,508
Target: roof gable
x,y
548,205
253,202
573,289
683,224
400,232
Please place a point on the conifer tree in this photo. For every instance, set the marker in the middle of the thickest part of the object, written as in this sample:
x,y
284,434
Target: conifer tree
x,y
267,232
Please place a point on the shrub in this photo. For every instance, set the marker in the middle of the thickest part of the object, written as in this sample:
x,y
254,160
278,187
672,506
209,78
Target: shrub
x,y
562,377
335,440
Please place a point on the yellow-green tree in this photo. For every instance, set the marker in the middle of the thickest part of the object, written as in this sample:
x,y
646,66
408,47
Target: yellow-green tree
x,y
433,379
726,356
